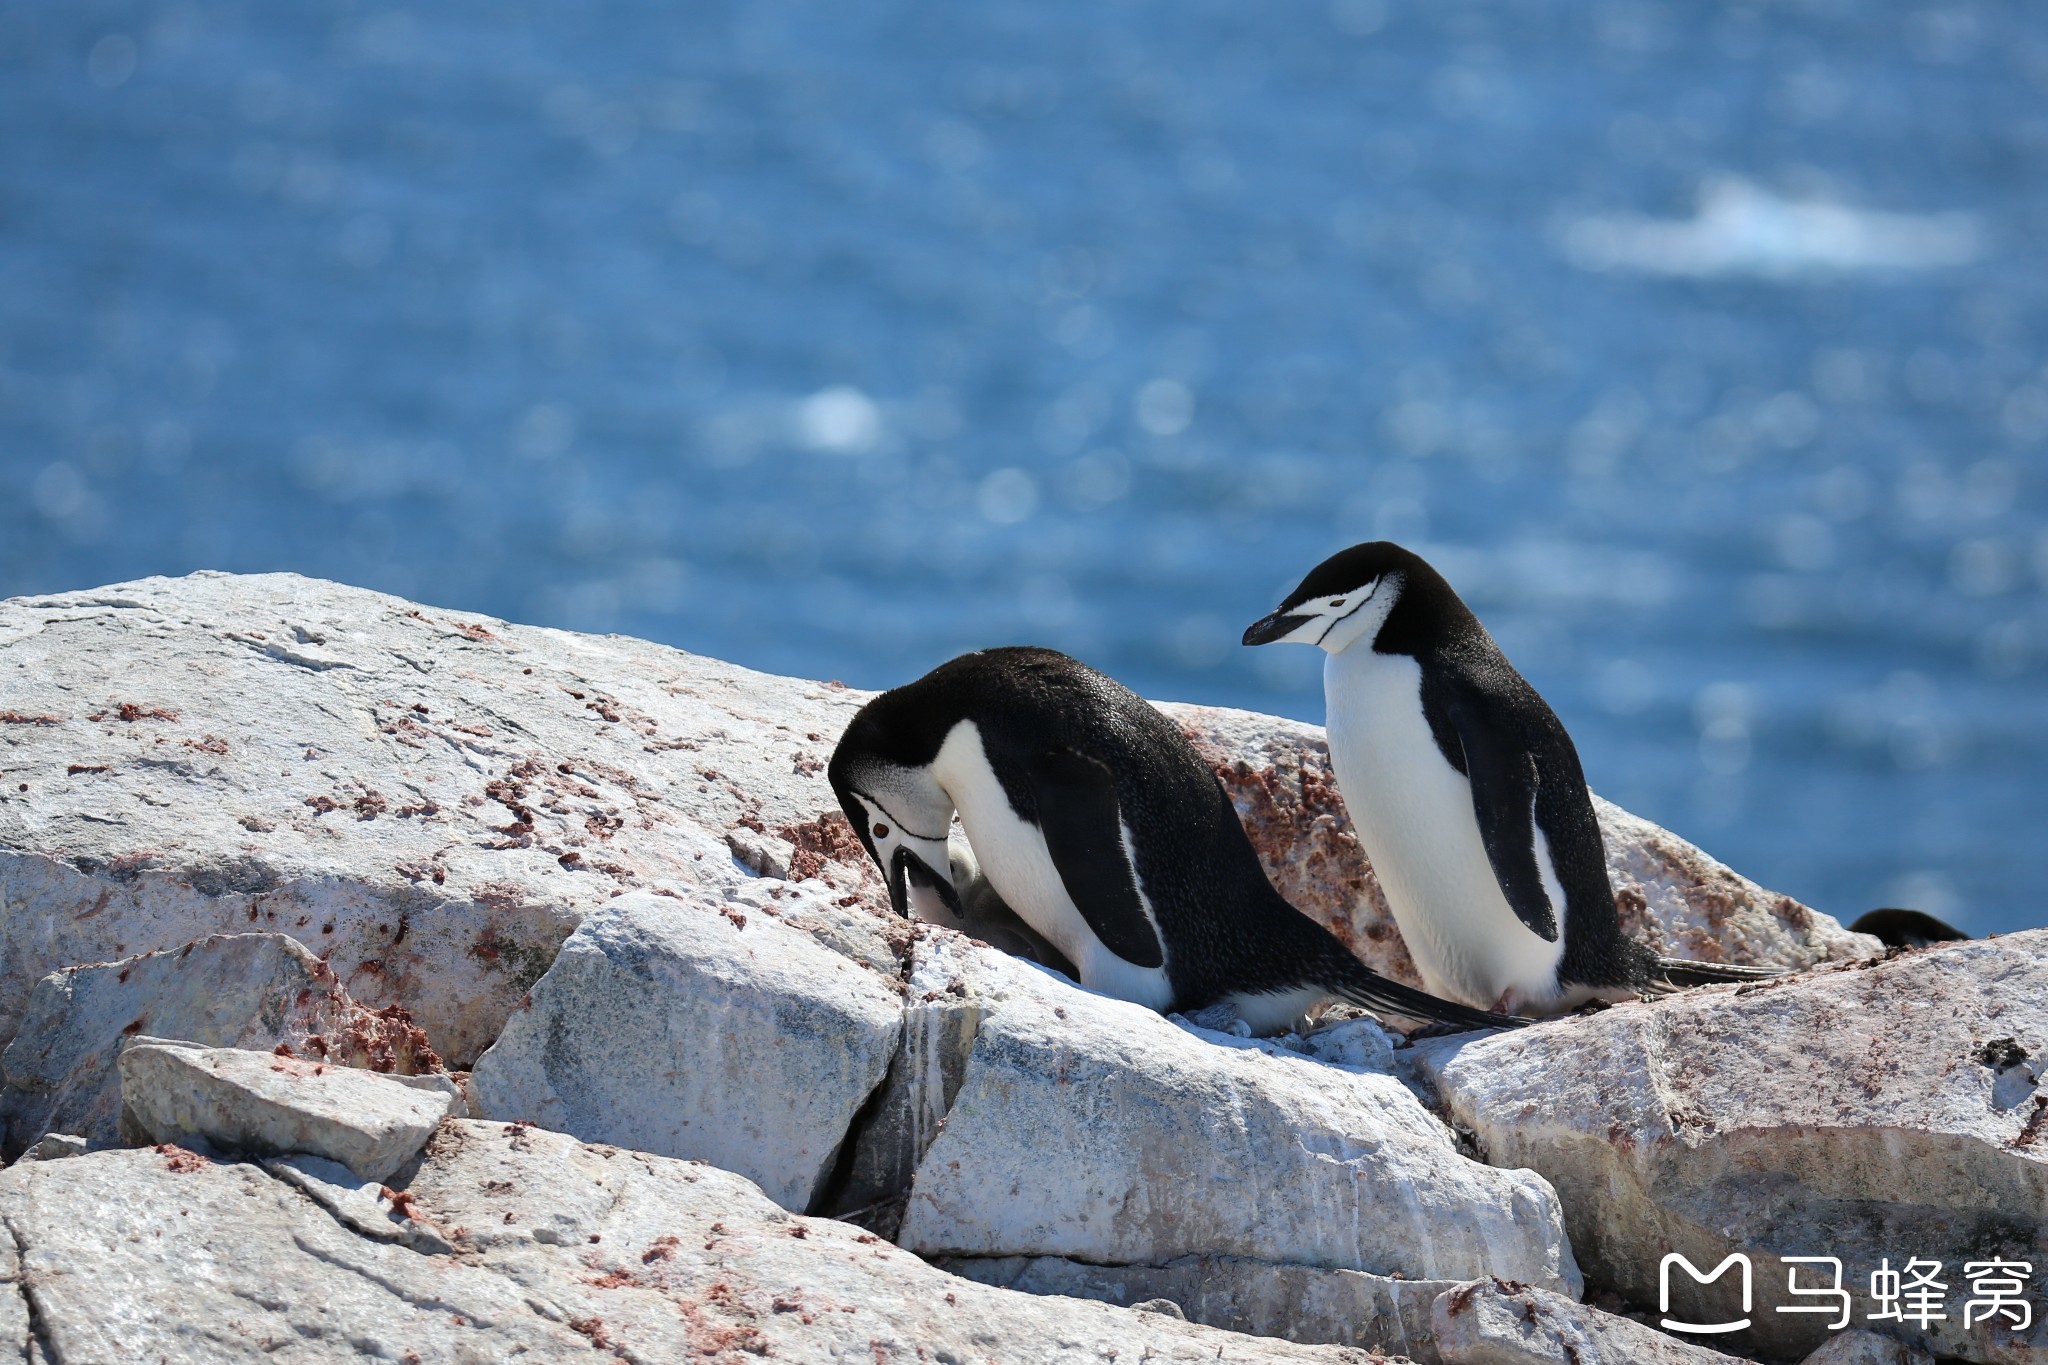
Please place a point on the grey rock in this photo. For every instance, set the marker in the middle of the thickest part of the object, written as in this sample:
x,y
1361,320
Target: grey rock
x,y
55,1146
225,990
560,1252
166,1256
942,1013
1854,1347
677,1258
245,1101
1866,1112
1297,1302
431,799
1094,1129
732,1038
1488,1322
367,1207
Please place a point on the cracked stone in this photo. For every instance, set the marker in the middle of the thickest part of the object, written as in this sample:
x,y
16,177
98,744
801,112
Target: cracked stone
x,y
1489,1322
252,991
1094,1129
1298,1302
258,1102
732,1039
1859,1111
660,1260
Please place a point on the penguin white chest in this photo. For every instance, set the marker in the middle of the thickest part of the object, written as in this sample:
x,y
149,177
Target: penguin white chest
x,y
1415,820
1014,857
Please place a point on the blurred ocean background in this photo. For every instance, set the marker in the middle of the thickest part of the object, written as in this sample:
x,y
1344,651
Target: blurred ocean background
x,y
1701,345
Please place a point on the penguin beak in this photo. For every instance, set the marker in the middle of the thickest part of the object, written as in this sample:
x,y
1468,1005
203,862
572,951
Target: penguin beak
x,y
907,873
1275,627
899,884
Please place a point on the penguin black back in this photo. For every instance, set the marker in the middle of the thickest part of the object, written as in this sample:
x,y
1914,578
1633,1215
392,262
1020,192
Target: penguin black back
x,y
1140,829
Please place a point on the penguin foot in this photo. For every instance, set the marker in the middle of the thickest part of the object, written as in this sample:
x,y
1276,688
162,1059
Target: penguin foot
x,y
1221,1017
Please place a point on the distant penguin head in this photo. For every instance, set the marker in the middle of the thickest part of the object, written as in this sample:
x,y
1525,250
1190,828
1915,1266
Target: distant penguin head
x,y
1344,599
903,819
1897,928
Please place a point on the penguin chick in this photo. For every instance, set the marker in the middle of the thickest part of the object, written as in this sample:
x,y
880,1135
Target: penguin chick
x,y
1092,817
1466,794
984,916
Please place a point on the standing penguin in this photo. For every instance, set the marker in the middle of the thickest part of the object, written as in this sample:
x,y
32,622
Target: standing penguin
x,y
1466,794
1092,816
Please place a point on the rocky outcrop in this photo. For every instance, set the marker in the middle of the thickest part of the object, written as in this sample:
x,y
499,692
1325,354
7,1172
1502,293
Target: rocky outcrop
x,y
556,1251
730,1038
1873,1112
433,801
612,877
236,1100
430,801
1489,1322
1096,1130
260,991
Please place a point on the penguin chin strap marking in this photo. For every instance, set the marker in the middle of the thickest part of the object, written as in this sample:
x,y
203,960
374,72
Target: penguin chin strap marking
x,y
1336,621
902,826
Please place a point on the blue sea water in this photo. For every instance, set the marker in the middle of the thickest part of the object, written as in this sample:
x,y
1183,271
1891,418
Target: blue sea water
x,y
1701,345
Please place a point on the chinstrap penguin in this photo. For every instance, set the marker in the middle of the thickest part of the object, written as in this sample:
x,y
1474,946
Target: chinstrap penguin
x,y
1093,818
1466,794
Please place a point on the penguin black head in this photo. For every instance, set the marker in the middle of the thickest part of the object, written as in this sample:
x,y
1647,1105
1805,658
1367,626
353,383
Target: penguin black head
x,y
1344,599
1897,928
901,815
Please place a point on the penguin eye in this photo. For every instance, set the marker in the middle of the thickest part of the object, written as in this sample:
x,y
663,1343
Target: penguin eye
x,y
881,831
1336,601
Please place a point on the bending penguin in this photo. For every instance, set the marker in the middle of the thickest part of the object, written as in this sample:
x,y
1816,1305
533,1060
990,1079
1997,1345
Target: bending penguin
x,y
1466,794
1093,818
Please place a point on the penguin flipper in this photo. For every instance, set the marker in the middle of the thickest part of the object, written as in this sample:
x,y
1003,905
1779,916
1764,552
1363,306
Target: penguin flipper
x,y
1083,828
1505,782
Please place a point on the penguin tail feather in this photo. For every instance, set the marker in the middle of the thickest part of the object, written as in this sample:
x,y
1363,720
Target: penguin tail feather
x,y
1678,973
1367,988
